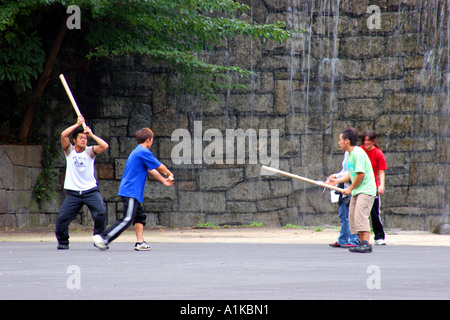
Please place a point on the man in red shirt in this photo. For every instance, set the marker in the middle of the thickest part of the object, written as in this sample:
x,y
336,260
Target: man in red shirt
x,y
376,156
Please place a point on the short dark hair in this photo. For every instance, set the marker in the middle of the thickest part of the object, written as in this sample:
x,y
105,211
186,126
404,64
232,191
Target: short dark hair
x,y
143,134
77,132
351,135
372,137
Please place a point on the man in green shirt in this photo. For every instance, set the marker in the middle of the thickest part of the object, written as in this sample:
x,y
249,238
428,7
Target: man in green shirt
x,y
363,189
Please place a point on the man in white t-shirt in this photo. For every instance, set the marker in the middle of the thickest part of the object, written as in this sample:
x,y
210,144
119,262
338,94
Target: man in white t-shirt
x,y
80,184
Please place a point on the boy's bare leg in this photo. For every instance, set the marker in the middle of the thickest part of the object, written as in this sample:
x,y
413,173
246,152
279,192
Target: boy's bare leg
x,y
139,228
364,236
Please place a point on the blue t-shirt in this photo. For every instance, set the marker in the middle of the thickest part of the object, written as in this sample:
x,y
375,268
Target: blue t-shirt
x,y
134,176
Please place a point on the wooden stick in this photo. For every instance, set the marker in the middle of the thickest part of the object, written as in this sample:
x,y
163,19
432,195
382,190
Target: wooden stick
x,y
69,93
294,176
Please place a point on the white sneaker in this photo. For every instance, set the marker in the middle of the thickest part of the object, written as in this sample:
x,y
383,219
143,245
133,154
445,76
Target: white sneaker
x,y
143,246
380,242
99,242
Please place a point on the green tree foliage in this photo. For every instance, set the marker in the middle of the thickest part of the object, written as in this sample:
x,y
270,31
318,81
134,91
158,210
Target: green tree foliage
x,y
174,31
21,52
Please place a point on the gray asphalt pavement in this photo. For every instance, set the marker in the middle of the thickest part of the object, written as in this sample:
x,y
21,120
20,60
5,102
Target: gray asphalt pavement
x,y
222,271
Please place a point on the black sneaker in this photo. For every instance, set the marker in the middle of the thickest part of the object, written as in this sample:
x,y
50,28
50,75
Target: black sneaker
x,y
62,246
363,247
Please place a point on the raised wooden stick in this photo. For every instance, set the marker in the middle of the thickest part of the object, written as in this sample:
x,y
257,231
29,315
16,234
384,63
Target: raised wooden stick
x,y
69,93
294,176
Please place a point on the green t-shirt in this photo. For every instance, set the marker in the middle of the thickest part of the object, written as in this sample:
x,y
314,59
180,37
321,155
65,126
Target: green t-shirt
x,y
358,161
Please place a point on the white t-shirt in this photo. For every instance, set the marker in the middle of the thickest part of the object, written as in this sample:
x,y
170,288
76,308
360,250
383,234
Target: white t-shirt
x,y
80,169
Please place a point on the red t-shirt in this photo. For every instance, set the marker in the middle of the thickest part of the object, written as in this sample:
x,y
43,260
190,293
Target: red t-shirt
x,y
378,161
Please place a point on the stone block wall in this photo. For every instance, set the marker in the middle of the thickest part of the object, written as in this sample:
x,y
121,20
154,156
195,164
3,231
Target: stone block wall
x,y
393,80
20,166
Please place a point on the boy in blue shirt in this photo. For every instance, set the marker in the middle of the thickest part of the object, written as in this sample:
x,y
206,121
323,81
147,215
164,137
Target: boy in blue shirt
x,y
140,162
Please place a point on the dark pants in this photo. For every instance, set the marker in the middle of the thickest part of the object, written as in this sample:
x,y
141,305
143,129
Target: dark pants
x,y
133,212
71,208
377,225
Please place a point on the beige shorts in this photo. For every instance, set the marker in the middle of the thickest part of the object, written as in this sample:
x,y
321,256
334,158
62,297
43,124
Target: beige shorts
x,y
359,213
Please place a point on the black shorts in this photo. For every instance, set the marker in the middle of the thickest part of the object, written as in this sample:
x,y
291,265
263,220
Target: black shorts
x,y
140,216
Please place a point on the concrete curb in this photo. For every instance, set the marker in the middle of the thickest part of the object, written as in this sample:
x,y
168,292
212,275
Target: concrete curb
x,y
227,235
